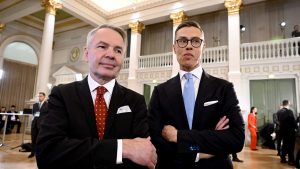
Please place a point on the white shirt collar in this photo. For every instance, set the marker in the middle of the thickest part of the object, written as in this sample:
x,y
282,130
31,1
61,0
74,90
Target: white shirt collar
x,y
93,84
196,72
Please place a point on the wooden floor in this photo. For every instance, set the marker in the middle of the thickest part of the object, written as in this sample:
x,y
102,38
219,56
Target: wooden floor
x,y
13,159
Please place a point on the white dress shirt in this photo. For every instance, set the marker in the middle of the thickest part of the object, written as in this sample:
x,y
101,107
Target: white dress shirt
x,y
197,73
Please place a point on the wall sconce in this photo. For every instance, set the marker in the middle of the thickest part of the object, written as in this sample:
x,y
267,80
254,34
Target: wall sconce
x,y
1,73
242,28
282,27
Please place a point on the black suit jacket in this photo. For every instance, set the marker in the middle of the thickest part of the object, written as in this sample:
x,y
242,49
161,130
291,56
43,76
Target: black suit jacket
x,y
287,122
68,135
167,107
35,108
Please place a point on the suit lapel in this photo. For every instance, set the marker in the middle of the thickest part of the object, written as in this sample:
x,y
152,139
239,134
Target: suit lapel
x,y
201,97
88,105
116,100
176,102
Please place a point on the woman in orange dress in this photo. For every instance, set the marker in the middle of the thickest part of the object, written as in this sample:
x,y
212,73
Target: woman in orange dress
x,y
252,127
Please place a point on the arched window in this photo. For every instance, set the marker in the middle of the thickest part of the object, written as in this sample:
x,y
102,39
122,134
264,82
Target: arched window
x,y
21,52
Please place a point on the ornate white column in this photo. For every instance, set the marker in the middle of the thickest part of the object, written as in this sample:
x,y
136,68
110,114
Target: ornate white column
x,y
135,51
2,27
46,47
177,18
234,74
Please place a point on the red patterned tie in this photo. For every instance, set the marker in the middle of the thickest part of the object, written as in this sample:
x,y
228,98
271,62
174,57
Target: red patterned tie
x,y
100,111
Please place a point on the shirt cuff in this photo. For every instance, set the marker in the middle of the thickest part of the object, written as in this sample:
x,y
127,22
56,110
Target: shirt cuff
x,y
197,157
119,151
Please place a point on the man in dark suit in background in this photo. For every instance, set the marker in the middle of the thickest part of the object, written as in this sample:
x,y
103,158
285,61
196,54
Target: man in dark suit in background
x,y
185,111
288,126
37,109
71,134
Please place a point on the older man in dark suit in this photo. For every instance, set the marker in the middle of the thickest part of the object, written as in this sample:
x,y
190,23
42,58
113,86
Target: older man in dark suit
x,y
187,110
96,122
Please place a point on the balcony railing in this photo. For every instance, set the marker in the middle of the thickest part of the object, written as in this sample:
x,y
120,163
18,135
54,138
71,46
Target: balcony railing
x,y
157,60
275,49
125,63
215,55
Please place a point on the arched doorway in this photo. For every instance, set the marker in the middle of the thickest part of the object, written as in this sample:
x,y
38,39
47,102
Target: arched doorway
x,y
19,73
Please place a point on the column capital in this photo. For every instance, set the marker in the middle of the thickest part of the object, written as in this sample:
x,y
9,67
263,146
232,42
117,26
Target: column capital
x,y
178,17
2,27
137,27
233,6
51,6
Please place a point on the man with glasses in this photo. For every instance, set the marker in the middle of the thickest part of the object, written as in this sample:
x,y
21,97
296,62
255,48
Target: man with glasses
x,y
194,118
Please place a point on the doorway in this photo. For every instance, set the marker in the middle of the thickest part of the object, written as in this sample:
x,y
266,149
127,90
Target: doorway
x,y
267,96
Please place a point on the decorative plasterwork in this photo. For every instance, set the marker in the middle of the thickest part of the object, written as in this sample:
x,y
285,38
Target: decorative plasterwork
x,y
126,10
51,6
233,6
178,17
2,27
136,27
270,68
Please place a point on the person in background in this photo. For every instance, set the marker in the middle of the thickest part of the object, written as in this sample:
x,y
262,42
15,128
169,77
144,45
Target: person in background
x,y
96,122
194,118
37,109
287,130
13,119
276,128
2,117
296,32
252,128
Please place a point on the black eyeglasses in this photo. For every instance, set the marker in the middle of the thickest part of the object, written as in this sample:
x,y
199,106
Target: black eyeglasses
x,y
196,42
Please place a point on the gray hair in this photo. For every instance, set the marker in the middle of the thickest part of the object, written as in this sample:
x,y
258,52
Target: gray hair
x,y
119,30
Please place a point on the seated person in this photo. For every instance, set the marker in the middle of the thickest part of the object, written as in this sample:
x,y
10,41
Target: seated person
x,y
265,133
13,119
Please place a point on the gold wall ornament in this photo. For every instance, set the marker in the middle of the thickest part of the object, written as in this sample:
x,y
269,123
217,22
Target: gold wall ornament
x,y
178,17
233,6
2,27
51,6
74,55
137,27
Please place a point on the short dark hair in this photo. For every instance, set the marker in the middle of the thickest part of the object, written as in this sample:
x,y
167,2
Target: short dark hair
x,y
13,106
42,93
189,24
285,102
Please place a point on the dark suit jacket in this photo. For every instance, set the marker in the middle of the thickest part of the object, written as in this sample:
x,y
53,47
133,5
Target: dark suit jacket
x,y
287,122
167,107
68,135
35,108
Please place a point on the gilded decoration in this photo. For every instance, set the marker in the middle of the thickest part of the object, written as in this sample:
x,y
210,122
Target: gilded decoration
x,y
51,6
75,53
137,27
178,17
2,27
233,6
